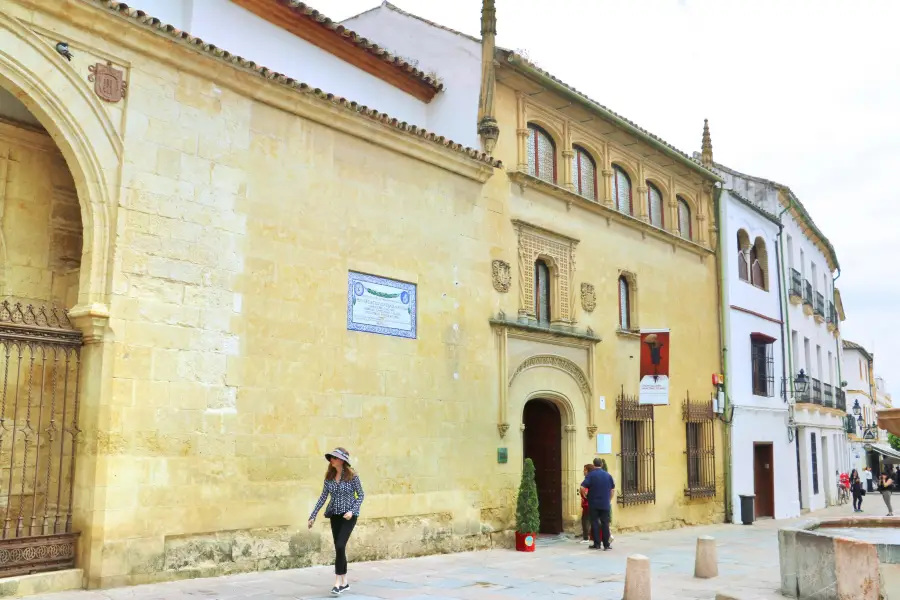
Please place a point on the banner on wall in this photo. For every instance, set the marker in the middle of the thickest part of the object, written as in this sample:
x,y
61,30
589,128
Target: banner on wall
x,y
654,366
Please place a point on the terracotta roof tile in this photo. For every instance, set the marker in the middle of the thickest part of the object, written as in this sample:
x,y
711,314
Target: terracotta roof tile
x,y
141,17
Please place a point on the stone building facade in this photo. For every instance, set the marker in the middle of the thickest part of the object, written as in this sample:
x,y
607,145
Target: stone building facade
x,y
198,216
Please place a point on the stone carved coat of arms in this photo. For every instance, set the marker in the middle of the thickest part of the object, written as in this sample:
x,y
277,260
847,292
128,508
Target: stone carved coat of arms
x,y
109,82
588,297
501,275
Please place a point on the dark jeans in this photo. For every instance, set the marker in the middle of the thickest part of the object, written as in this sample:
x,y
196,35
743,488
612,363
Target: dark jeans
x,y
857,500
341,529
600,525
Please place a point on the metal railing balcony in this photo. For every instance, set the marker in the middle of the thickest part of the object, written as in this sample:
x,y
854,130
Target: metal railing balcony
x,y
796,284
840,402
819,308
807,293
828,395
816,396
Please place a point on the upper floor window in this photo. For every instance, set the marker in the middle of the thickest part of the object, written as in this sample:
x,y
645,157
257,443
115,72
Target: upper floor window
x,y
762,365
622,190
655,205
743,246
685,229
753,260
541,154
624,304
584,173
542,292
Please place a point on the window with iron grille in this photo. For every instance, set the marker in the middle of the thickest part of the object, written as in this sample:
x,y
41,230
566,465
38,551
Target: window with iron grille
x,y
815,462
541,154
584,173
637,456
622,190
655,206
762,366
701,448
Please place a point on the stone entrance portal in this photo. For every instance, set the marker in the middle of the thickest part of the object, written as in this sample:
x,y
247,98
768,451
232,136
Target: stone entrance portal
x,y
542,443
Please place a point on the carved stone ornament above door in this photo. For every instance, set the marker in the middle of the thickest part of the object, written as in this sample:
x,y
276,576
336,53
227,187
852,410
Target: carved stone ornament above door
x,y
588,297
109,82
500,273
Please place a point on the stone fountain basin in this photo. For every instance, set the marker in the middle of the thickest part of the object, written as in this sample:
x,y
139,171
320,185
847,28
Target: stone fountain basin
x,y
851,557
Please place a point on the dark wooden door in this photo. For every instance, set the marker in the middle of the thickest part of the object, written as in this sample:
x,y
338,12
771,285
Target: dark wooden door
x,y
543,445
764,480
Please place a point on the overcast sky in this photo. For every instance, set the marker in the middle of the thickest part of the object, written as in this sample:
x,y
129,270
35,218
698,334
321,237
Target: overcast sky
x,y
804,93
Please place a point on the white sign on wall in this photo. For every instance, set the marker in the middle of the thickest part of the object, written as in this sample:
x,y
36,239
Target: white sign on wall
x,y
380,305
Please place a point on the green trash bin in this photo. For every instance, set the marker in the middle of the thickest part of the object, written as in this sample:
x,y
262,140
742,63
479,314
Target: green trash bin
x,y
747,513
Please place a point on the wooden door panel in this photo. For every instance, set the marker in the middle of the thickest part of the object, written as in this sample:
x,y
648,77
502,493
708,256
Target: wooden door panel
x,y
543,445
763,480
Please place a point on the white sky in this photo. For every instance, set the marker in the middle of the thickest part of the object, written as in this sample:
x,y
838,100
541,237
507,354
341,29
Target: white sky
x,y
804,93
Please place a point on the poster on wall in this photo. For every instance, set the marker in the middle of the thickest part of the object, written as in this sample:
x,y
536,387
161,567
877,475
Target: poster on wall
x,y
380,305
654,366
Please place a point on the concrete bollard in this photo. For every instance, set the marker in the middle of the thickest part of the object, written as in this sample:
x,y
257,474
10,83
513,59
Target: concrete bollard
x,y
637,578
706,564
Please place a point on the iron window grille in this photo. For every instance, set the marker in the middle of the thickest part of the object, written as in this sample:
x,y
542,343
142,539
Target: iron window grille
x,y
819,309
815,463
841,400
762,365
701,448
796,284
828,396
637,456
816,391
807,293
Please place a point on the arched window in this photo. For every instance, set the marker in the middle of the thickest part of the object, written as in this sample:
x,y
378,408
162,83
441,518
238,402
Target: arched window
x,y
542,292
685,229
624,304
759,264
541,154
655,206
622,190
584,173
743,247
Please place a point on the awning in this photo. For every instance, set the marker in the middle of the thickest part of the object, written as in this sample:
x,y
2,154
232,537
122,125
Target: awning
x,y
762,337
884,450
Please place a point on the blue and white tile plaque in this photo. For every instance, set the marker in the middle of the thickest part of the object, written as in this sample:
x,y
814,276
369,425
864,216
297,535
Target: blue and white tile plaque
x,y
380,305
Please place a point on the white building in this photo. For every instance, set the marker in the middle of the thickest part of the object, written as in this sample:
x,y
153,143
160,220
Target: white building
x,y
783,316
763,455
302,44
868,444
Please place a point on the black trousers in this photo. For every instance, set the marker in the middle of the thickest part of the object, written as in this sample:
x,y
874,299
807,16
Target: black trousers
x,y
857,500
585,523
341,529
600,525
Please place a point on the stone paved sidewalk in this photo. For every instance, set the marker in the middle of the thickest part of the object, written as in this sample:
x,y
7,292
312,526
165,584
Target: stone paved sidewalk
x,y
748,567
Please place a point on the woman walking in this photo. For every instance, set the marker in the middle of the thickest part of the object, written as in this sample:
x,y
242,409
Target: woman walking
x,y
884,486
856,489
343,510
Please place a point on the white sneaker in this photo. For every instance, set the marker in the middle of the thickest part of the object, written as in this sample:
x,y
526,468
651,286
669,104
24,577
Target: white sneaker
x,y
585,542
612,538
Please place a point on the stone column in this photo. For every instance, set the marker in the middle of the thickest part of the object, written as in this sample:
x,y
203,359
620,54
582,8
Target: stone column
x,y
639,203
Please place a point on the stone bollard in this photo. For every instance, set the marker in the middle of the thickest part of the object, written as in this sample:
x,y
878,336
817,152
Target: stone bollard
x,y
637,578
706,564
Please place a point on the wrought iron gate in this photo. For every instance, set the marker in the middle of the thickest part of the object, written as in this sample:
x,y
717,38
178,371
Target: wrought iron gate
x,y
40,353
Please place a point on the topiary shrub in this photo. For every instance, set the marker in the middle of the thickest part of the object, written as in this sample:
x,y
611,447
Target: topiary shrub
x,y
528,516
894,441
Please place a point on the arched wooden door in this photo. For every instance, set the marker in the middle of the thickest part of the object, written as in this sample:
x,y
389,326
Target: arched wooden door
x,y
543,445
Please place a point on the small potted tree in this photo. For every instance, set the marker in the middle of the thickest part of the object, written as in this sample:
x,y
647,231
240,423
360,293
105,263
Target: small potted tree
x,y
528,517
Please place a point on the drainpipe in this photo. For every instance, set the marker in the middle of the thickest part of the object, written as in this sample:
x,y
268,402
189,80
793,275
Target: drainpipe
x,y
837,354
724,332
781,298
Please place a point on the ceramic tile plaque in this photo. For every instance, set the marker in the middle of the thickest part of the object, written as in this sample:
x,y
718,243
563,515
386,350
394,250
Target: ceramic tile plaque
x,y
380,305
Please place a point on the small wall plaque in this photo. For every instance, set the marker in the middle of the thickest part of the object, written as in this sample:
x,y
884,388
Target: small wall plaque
x,y
109,82
502,455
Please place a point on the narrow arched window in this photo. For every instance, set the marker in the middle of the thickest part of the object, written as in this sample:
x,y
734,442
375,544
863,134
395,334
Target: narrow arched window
x,y
622,190
759,262
743,246
655,206
624,304
584,173
541,154
685,229
542,292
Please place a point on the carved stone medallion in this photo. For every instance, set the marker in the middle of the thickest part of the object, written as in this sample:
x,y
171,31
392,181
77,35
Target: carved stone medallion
x,y
501,275
109,82
588,297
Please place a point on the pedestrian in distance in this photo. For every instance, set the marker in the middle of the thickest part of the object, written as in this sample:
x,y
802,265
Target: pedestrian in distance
x,y
346,491
857,490
585,511
867,474
884,486
599,488
600,463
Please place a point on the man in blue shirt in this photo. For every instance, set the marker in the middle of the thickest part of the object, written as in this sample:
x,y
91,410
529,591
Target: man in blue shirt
x,y
599,488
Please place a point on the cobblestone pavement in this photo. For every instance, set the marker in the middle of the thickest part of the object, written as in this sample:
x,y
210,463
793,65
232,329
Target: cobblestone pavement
x,y
748,568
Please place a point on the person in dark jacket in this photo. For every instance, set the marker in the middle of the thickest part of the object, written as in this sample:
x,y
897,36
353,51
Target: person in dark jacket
x,y
856,489
599,488
343,510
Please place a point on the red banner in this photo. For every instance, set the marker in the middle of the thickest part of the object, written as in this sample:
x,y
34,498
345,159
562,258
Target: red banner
x,y
654,366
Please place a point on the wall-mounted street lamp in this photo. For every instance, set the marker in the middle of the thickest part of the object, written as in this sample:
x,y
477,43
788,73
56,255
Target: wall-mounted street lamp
x,y
801,385
869,432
